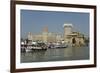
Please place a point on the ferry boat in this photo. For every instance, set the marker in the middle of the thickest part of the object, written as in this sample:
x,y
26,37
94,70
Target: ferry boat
x,y
40,46
57,45
33,46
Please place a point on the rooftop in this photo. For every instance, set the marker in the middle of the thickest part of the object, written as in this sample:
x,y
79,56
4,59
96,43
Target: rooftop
x,y
67,24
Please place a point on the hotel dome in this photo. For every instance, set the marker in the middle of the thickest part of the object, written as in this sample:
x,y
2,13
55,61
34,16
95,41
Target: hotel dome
x,y
67,25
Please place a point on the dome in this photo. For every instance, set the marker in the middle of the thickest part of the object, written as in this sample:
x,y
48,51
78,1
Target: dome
x,y
67,24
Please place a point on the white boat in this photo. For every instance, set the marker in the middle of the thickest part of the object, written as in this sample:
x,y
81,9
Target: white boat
x,y
39,46
28,48
58,45
36,47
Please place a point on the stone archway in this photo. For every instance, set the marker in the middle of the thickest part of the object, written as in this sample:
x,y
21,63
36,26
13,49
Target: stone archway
x,y
73,40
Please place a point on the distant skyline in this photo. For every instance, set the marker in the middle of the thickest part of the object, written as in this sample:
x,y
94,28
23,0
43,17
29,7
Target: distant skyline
x,y
34,21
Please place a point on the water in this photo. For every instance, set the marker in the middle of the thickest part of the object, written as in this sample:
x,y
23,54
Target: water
x,y
58,54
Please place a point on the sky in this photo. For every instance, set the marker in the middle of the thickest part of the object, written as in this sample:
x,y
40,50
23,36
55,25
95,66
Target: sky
x,y
34,21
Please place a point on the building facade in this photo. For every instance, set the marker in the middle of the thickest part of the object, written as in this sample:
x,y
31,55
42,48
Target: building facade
x,y
45,36
69,36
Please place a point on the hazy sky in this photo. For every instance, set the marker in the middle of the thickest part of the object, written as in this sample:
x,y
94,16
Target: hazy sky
x,y
34,21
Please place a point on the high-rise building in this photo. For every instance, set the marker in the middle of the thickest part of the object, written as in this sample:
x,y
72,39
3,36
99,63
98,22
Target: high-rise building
x,y
67,30
30,36
45,34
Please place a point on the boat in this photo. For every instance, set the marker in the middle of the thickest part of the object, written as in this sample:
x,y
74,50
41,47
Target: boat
x,y
28,48
39,46
23,47
57,45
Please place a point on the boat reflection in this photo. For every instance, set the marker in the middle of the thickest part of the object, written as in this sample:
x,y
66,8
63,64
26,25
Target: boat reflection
x,y
69,53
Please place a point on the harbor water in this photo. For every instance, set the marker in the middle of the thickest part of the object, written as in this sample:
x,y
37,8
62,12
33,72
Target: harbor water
x,y
56,54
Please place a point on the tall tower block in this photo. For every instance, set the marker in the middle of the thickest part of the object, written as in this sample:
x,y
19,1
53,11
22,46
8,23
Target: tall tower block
x,y
30,36
45,34
67,30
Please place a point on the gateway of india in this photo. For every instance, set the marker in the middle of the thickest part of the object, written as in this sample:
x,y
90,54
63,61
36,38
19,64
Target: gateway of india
x,y
69,36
